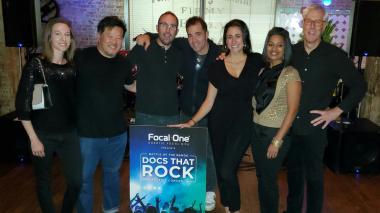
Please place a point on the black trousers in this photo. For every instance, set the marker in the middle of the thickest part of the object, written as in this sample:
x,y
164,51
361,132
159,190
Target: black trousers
x,y
267,169
66,145
229,147
305,163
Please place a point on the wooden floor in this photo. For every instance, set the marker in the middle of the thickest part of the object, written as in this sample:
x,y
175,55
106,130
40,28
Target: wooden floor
x,y
343,193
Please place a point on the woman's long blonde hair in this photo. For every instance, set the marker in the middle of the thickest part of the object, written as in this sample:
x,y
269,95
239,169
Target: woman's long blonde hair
x,y
47,51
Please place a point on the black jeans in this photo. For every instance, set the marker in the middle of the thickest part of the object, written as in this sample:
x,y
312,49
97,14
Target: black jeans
x,y
66,145
267,169
305,163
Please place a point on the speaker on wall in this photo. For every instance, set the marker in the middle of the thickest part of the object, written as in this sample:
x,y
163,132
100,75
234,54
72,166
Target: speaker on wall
x,y
22,23
365,32
353,148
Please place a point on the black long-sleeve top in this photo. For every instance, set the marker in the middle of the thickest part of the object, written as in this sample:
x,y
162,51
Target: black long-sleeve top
x,y
320,71
157,71
61,81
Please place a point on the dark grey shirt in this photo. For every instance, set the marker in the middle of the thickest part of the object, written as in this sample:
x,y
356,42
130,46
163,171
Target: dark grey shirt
x,y
157,71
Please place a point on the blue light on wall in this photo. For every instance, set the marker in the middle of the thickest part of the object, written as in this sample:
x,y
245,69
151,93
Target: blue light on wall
x,y
327,2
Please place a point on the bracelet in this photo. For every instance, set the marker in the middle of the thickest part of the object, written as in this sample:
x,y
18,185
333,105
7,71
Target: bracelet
x,y
277,143
191,119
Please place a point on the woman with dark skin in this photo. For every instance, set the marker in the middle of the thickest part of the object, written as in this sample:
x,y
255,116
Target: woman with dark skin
x,y
275,102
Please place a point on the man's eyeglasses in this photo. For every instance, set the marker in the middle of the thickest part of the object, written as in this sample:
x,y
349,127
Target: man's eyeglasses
x,y
166,26
317,23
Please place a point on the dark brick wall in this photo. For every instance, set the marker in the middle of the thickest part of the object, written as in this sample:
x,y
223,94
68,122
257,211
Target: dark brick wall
x,y
85,16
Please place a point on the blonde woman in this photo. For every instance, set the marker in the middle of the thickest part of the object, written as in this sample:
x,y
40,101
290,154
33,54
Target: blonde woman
x,y
52,130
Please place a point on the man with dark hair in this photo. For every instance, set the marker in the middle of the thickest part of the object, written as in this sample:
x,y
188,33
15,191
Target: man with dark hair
x,y
101,124
320,66
157,69
198,53
111,21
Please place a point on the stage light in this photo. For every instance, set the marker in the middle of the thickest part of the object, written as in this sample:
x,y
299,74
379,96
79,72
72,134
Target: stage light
x,y
21,159
357,170
327,2
365,53
20,44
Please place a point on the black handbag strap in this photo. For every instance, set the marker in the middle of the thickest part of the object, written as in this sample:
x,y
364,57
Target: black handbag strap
x,y
42,70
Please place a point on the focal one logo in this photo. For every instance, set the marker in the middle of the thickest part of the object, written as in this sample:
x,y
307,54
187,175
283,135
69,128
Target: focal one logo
x,y
168,137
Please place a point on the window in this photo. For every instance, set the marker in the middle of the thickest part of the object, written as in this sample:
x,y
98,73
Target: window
x,y
144,14
288,15
257,14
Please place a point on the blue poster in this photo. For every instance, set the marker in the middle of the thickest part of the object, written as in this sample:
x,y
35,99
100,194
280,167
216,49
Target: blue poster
x,y
167,169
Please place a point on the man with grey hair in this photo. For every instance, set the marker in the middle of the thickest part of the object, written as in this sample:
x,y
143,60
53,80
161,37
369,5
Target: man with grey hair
x,y
318,63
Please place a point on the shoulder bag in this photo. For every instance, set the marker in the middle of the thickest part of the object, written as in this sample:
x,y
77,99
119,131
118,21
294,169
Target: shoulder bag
x,y
41,93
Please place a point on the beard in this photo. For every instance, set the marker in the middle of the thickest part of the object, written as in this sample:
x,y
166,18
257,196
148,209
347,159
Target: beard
x,y
166,40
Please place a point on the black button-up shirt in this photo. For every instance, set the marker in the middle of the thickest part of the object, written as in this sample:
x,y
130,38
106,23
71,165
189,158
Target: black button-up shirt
x,y
320,71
